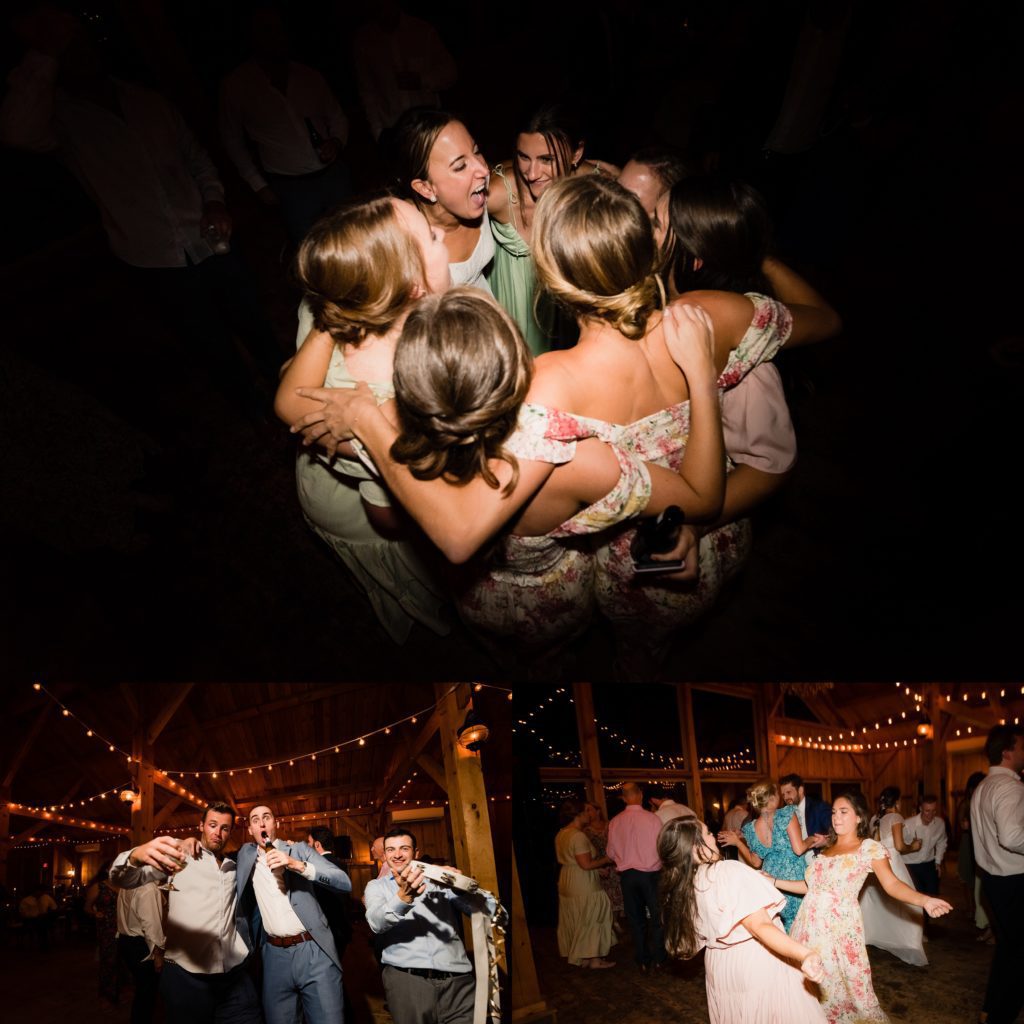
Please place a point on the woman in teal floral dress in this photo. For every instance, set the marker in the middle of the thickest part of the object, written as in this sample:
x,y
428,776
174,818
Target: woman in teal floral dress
x,y
772,842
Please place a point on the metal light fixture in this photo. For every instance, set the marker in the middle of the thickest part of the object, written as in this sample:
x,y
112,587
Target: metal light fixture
x,y
129,793
924,727
473,732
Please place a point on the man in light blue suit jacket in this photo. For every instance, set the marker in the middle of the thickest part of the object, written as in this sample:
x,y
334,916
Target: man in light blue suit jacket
x,y
278,913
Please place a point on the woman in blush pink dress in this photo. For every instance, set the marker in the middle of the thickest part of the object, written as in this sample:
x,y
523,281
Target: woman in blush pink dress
x,y
829,919
756,973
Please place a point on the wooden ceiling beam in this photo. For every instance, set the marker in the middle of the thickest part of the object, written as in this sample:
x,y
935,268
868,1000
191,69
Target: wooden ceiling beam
x,y
394,777
273,707
26,746
434,770
167,712
50,818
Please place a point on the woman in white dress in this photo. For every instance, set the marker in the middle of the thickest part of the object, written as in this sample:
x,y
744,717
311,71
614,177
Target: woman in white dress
x,y
888,924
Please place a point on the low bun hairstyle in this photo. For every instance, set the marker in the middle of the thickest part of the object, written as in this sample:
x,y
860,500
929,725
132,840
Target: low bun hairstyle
x,y
723,222
595,252
359,269
462,371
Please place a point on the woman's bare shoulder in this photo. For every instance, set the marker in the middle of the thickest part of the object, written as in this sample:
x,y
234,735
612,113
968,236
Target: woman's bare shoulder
x,y
730,313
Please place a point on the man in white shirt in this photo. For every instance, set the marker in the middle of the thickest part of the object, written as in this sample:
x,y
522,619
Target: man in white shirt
x,y
140,944
925,864
666,807
204,978
997,828
159,196
288,113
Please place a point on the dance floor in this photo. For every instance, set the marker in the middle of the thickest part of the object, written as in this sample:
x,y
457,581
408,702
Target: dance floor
x,y
948,991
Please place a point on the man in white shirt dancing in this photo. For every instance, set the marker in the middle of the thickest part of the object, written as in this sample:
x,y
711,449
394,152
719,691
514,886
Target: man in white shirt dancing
x,y
925,865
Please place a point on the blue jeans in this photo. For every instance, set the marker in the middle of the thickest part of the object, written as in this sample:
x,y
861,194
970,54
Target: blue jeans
x,y
640,898
300,980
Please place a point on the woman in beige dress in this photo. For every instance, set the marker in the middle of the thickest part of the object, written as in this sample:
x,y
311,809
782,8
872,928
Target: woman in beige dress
x,y
584,911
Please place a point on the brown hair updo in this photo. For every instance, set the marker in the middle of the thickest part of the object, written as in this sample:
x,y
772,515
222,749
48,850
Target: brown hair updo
x,y
462,371
595,252
359,269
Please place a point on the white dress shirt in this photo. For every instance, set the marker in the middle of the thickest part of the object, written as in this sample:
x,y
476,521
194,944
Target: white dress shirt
x,y
250,105
670,810
279,918
200,927
144,168
801,817
140,912
997,822
933,840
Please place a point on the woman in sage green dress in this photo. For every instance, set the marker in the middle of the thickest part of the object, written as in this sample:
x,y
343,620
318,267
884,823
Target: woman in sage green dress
x,y
550,146
584,910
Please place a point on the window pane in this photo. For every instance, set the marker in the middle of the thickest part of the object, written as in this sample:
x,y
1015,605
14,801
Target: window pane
x,y
638,726
724,728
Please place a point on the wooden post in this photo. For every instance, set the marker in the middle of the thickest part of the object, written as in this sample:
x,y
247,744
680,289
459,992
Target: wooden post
x,y
527,1002
684,702
5,832
467,795
583,701
767,755
143,774
934,749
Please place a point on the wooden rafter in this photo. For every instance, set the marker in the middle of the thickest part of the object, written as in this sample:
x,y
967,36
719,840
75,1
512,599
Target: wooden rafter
x,y
49,817
400,765
26,746
167,712
433,769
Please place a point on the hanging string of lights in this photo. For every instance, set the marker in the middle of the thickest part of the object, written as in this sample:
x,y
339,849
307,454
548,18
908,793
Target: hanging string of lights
x,y
738,760
68,804
267,766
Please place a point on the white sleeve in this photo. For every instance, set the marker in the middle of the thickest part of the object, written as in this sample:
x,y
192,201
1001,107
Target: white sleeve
x,y
232,135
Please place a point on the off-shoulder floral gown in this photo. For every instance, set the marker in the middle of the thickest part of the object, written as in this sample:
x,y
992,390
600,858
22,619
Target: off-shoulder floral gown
x,y
829,921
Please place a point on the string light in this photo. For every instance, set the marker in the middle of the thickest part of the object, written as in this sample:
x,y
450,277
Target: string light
x,y
312,754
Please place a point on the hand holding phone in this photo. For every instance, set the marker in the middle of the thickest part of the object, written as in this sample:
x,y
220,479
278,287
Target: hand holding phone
x,y
654,536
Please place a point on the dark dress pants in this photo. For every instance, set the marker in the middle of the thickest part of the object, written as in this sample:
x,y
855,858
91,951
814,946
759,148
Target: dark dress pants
x,y
133,952
1004,996
209,998
640,900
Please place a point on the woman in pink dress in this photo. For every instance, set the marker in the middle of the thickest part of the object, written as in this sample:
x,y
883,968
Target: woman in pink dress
x,y
756,973
829,919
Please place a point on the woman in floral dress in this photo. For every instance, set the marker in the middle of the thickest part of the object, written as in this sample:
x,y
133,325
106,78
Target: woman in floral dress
x,y
829,919
596,829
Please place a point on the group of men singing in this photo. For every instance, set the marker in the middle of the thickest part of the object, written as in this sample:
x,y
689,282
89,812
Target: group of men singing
x,y
269,897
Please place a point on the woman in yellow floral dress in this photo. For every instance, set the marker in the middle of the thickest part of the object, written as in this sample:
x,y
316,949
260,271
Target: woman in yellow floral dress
x,y
829,919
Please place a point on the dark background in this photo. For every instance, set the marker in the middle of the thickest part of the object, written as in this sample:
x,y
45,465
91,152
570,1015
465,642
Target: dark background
x,y
151,531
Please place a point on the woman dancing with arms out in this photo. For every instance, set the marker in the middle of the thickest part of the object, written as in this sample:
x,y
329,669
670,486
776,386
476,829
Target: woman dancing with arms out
x,y
829,919
733,913
773,841
361,269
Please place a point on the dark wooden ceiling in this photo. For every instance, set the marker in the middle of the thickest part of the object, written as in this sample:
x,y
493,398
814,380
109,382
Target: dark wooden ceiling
x,y
232,728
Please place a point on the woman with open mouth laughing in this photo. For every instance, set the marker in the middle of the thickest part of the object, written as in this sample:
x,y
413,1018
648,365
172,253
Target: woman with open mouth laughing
x,y
439,167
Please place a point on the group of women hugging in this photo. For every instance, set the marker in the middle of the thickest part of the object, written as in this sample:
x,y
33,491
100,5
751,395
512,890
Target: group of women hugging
x,y
501,371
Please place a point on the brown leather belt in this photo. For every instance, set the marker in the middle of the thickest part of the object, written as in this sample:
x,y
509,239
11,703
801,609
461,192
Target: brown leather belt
x,y
289,940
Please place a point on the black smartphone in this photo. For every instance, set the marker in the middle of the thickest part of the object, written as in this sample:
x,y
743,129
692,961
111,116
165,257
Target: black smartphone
x,y
654,536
